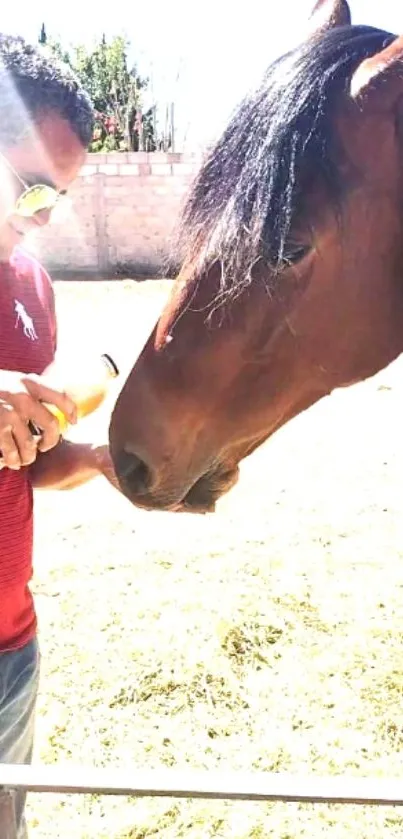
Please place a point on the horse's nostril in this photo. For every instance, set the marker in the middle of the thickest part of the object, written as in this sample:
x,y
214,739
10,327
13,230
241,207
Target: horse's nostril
x,y
133,473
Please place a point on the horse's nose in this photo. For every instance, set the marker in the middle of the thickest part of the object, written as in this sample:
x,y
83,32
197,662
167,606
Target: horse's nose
x,y
133,473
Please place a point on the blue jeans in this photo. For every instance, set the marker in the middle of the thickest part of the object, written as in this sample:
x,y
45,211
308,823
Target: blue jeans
x,y
19,677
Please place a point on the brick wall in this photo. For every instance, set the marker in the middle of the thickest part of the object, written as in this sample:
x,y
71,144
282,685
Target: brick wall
x,y
124,208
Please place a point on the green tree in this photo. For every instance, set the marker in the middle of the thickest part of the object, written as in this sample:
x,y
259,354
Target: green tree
x,y
58,50
115,88
42,35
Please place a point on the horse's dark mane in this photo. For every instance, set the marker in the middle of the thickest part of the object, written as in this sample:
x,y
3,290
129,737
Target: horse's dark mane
x,y
248,192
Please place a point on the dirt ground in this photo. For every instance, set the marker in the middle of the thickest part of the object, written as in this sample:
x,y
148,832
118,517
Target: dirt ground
x,y
267,637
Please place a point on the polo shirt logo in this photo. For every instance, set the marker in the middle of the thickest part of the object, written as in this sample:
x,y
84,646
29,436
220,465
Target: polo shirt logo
x,y
25,320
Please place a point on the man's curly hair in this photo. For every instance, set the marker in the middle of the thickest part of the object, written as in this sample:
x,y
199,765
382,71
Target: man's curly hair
x,y
33,82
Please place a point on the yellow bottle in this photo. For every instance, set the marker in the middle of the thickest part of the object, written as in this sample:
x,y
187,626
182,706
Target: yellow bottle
x,y
88,390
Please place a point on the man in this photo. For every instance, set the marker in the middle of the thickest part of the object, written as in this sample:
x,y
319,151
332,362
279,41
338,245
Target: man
x,y
45,126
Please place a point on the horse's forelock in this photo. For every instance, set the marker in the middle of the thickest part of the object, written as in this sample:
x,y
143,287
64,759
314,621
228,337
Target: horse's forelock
x,y
248,192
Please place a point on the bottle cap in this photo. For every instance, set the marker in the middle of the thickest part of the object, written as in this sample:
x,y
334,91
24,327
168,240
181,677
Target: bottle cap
x,y
113,368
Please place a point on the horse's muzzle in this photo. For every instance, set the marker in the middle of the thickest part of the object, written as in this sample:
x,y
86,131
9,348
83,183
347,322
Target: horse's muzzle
x,y
138,484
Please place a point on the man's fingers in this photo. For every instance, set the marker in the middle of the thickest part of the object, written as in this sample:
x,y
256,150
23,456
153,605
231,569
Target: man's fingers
x,y
10,455
43,393
47,424
26,443
28,405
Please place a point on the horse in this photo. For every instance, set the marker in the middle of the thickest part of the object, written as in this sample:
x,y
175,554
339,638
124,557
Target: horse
x,y
291,273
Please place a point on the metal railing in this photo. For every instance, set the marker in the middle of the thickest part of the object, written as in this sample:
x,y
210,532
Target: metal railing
x,y
208,785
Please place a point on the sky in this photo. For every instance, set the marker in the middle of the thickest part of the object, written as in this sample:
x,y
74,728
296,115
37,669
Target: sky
x,y
204,56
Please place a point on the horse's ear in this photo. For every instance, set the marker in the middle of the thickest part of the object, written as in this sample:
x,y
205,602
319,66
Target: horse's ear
x,y
378,81
327,14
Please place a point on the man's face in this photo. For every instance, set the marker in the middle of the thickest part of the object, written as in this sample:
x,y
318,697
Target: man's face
x,y
50,154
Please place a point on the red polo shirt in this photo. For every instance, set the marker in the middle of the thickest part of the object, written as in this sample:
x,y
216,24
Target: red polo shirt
x,y
27,344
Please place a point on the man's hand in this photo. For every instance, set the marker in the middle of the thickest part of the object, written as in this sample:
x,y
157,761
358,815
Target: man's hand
x,y
21,398
70,465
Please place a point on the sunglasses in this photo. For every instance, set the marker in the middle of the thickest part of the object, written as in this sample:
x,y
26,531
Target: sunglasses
x,y
35,198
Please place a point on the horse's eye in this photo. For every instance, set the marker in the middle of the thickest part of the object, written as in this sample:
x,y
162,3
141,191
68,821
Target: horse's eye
x,y
293,254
